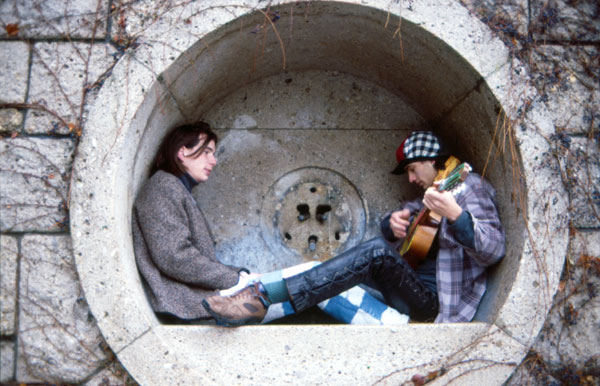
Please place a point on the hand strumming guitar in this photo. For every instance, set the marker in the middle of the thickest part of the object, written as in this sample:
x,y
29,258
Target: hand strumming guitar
x,y
399,222
442,203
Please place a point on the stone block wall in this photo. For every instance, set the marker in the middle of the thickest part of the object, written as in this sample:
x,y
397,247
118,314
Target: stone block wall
x,y
55,55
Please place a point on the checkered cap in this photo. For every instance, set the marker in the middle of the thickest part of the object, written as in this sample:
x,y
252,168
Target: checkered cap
x,y
419,146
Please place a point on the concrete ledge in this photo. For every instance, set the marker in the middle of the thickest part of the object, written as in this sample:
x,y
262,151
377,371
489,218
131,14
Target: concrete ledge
x,y
449,69
316,355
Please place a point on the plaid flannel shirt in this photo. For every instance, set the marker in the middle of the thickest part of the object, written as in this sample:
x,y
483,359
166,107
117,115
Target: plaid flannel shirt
x,y
460,272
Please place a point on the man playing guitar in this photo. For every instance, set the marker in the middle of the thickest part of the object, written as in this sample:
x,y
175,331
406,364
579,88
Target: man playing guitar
x,y
448,239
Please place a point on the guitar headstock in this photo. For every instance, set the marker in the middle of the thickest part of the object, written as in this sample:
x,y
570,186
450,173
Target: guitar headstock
x,y
464,172
456,177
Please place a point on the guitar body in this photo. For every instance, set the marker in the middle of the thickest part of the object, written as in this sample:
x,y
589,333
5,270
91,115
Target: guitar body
x,y
419,240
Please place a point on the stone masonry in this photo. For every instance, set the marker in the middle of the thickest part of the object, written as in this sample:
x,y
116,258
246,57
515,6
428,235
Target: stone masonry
x,y
55,56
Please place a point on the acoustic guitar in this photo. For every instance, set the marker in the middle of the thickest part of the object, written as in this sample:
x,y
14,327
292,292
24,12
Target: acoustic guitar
x,y
424,227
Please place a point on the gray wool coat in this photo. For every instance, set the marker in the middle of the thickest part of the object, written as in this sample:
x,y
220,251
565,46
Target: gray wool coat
x,y
174,250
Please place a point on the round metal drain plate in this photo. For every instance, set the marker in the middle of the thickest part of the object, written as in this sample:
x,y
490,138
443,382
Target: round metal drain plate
x,y
312,213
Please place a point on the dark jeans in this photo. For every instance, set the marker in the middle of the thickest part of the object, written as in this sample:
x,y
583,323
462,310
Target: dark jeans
x,y
374,261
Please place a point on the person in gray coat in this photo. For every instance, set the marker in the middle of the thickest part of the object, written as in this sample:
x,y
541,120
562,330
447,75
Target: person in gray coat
x,y
173,247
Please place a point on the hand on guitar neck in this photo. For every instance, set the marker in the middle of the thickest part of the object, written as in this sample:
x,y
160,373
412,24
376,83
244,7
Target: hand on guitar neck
x,y
442,203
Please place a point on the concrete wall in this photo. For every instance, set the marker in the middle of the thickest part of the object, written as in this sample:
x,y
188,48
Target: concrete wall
x,y
48,332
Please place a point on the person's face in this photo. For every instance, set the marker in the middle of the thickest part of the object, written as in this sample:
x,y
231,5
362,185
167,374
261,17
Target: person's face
x,y
199,167
422,173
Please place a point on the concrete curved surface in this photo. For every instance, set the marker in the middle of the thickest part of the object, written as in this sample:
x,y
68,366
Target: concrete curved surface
x,y
442,70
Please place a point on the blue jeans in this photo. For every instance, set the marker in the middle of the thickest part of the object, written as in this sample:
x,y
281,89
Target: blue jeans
x,y
374,261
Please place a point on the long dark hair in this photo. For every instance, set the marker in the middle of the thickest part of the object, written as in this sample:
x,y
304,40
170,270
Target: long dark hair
x,y
187,135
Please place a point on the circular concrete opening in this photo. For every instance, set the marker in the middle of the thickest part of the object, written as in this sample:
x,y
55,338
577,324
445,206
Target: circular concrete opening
x,y
314,96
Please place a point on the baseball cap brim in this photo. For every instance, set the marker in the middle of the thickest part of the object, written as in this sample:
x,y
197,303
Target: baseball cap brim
x,y
400,169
